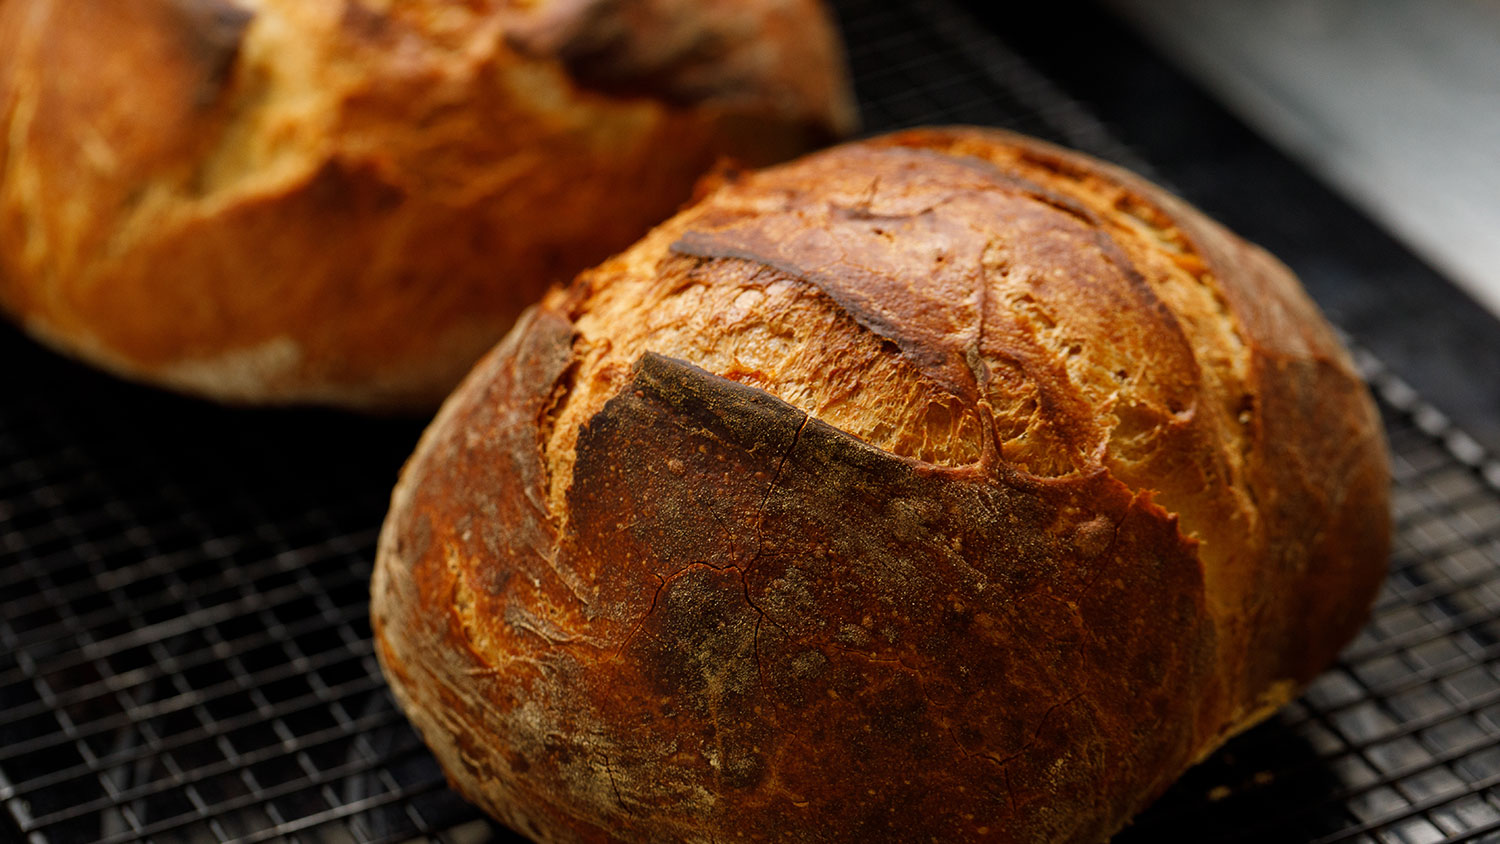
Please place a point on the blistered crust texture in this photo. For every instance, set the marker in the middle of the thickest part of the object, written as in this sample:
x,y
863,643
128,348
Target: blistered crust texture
x,y
946,486
348,201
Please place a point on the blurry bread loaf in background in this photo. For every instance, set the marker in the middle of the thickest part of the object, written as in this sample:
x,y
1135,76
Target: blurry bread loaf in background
x,y
946,486
348,201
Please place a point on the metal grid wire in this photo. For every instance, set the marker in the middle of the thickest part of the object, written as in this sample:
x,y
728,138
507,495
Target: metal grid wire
x,y
185,652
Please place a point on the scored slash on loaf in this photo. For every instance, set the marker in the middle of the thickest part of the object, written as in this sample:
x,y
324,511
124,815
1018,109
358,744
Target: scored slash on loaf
x,y
943,486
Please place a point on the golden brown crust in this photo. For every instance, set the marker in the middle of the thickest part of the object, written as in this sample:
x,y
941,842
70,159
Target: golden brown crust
x,y
942,486
346,201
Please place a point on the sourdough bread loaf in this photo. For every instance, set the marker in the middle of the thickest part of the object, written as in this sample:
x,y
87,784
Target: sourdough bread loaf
x,y
946,486
349,201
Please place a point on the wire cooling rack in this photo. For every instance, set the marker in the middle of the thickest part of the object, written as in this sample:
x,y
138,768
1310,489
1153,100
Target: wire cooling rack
x,y
185,652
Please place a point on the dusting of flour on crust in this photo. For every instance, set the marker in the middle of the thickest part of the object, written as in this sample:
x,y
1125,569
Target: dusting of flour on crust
x,y
240,374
